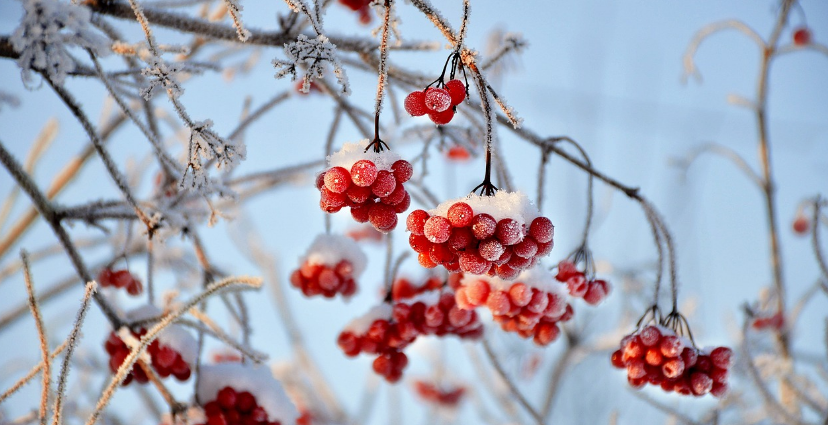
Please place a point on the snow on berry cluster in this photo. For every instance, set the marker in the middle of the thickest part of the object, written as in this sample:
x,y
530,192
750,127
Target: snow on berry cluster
x,y
440,395
656,355
532,305
592,291
233,393
120,279
439,103
173,352
370,183
499,235
331,266
382,331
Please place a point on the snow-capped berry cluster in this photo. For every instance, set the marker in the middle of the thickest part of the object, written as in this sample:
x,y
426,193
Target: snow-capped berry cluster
x,y
531,306
435,312
439,103
499,235
445,396
233,393
656,355
361,7
384,331
331,266
166,360
120,279
592,291
370,183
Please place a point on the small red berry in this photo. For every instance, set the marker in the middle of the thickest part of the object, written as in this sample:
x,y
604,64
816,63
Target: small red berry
x,y
456,90
460,214
416,221
508,231
802,36
437,99
226,398
442,118
801,225
722,357
483,226
437,229
402,170
415,104
363,173
337,179
384,184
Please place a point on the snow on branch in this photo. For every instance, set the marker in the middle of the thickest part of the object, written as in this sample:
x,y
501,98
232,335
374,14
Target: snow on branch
x,y
311,53
48,27
206,144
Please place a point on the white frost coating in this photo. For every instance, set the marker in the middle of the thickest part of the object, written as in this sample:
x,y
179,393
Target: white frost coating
x,y
173,336
331,249
311,53
259,381
514,205
360,325
536,277
48,27
353,152
428,298
177,338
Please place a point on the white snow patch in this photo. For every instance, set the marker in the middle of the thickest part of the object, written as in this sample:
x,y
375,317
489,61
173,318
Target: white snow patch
x,y
536,277
173,336
259,381
360,324
514,205
329,250
353,152
428,298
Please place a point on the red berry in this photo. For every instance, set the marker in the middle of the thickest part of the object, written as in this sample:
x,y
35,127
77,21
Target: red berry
x,y
802,36
226,398
419,243
320,180
337,179
121,279
415,104
520,294
636,369
395,197
416,221
105,277
700,383
424,258
384,184
442,118
134,287
402,170
801,225
508,231
216,420
542,230
483,226
546,333
689,356
527,248
473,263
460,214
361,213
458,153
437,99
165,356
617,359
461,239
498,303
358,194
441,254
363,173
650,336
456,90
719,390
722,357
437,229
673,368
595,293
245,402
653,357
404,204
577,286
491,249
478,292
382,217
671,346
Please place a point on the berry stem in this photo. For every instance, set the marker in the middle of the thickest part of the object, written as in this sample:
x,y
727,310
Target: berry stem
x,y
377,143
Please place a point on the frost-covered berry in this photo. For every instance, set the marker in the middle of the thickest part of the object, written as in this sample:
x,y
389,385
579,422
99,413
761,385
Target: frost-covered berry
x,y
415,104
363,173
402,170
437,229
437,99
460,214
337,179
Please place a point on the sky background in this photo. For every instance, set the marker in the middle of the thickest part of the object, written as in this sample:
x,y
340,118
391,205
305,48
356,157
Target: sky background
x,y
606,73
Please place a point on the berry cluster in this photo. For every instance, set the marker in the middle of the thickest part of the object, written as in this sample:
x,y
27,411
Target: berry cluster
x,y
370,183
531,306
231,407
656,355
439,103
435,312
165,360
120,279
361,7
593,291
499,235
438,395
384,331
330,267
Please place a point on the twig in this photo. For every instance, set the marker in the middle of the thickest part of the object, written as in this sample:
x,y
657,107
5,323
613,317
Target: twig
x,y
32,373
41,334
515,392
91,289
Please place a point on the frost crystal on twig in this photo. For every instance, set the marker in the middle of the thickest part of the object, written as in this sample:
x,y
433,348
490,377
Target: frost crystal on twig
x,y
162,76
206,144
311,53
235,9
47,28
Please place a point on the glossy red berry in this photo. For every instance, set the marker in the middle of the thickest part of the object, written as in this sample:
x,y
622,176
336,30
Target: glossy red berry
x,y
460,214
802,36
337,179
441,118
437,229
437,99
363,173
456,90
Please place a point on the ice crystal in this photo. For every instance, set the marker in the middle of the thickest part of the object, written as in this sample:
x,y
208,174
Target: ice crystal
x,y
311,53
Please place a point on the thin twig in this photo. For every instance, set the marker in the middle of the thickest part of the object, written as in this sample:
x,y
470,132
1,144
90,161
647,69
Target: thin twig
x,y
41,334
